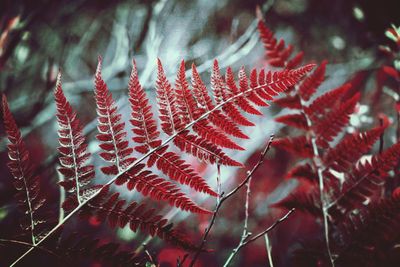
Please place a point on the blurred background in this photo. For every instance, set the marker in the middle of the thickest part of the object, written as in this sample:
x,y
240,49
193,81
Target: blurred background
x,y
37,38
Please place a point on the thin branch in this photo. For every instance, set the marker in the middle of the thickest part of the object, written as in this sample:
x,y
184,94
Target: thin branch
x,y
28,245
275,224
213,218
245,233
254,238
61,213
269,250
221,198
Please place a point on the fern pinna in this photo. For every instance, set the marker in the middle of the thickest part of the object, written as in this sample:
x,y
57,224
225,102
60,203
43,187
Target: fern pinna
x,y
194,121
30,197
336,183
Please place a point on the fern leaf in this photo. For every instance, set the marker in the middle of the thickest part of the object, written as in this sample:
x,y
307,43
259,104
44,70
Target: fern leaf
x,y
219,90
295,61
331,125
217,118
137,216
291,102
242,102
111,135
320,105
368,234
310,84
143,124
303,171
345,154
169,114
190,112
276,51
295,120
149,184
366,179
244,86
145,129
176,168
73,149
299,145
303,201
77,248
203,150
30,199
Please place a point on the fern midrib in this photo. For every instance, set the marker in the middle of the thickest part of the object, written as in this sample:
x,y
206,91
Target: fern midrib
x,y
28,198
110,125
74,159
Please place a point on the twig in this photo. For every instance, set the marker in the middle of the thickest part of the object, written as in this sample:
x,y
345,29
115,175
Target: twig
x,y
248,241
269,250
245,233
213,218
61,213
29,245
221,198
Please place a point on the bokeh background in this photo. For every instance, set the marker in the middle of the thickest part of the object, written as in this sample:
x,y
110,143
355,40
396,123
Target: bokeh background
x,y
40,37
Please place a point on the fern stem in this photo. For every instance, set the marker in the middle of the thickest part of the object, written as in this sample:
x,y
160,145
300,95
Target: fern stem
x,y
55,228
11,241
28,201
245,233
266,231
317,164
269,250
61,213
218,205
169,139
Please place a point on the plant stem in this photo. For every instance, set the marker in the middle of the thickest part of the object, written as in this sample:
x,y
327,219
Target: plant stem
x,y
248,241
221,198
269,250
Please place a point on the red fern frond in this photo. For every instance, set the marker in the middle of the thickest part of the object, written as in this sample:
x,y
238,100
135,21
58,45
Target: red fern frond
x,y
298,145
190,112
295,120
145,129
203,150
366,179
303,171
73,149
114,210
176,168
345,154
112,135
169,114
30,199
241,102
244,86
331,125
276,51
291,102
302,200
320,105
77,248
219,89
149,184
310,84
295,61
143,124
217,118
